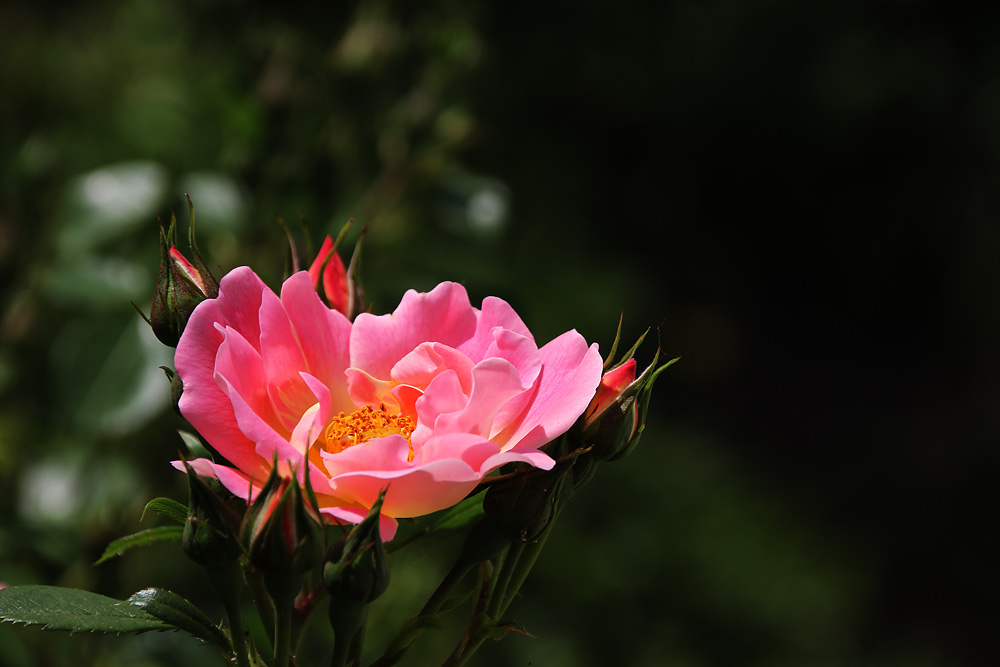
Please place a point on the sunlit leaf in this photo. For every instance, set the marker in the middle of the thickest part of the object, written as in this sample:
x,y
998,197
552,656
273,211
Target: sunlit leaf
x,y
73,610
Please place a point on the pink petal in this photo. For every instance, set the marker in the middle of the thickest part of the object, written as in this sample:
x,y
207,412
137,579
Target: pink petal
x,y
570,374
323,335
495,313
443,315
236,482
240,293
283,360
427,360
533,457
495,381
442,396
413,492
363,389
387,454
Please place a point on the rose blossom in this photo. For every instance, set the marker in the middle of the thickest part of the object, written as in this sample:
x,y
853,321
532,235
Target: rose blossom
x,y
424,402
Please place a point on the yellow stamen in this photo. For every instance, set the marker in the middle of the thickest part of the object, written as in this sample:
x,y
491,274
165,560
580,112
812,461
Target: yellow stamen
x,y
362,425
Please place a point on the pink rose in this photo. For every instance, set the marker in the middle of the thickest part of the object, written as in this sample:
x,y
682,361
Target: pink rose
x,y
424,402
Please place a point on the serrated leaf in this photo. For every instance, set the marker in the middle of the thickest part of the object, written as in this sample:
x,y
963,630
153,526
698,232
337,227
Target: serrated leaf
x,y
167,507
73,610
178,612
141,539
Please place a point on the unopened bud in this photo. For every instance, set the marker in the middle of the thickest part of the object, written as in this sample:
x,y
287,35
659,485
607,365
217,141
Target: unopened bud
x,y
209,536
282,532
355,573
180,286
616,416
336,284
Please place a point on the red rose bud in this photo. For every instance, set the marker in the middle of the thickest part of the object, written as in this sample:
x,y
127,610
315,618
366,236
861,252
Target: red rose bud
x,y
180,285
616,416
283,533
329,276
336,284
209,533
613,384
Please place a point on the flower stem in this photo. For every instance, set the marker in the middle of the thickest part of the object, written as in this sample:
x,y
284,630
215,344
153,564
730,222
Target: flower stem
x,y
525,562
282,637
265,606
227,581
498,594
283,589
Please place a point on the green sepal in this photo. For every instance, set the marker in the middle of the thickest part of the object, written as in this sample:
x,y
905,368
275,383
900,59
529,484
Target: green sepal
x,y
614,345
167,507
143,538
194,446
73,610
176,611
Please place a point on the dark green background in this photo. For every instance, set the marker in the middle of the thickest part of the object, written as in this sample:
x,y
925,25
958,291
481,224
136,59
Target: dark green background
x,y
799,197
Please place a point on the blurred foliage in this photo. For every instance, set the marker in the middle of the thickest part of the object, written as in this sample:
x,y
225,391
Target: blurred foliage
x,y
802,194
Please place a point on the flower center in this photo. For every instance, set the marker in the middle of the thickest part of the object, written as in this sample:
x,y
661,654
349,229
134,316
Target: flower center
x,y
362,425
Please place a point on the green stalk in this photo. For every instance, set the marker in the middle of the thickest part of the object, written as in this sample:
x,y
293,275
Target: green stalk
x,y
283,590
499,593
265,606
282,636
228,583
525,563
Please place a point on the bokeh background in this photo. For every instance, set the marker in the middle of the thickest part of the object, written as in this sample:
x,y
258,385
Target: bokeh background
x,y
800,198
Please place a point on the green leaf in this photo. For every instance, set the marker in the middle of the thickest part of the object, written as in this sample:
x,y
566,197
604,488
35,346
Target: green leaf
x,y
167,507
141,539
73,610
178,612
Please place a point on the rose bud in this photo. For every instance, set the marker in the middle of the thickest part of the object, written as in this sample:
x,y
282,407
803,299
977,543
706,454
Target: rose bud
x,y
356,572
180,285
616,416
335,283
209,533
282,532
